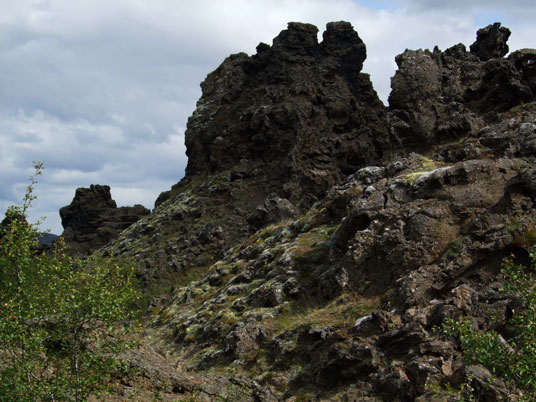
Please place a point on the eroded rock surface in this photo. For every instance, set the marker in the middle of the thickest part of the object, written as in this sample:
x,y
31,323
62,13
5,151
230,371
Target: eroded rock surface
x,y
343,302
441,96
298,112
271,133
325,245
491,42
93,219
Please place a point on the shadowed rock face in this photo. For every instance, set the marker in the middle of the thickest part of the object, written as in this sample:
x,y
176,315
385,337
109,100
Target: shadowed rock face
x,y
298,112
525,61
296,118
93,219
301,114
491,42
339,301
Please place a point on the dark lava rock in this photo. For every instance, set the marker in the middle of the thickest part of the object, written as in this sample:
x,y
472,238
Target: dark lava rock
x,y
343,302
9,218
440,96
525,61
93,219
491,42
45,240
299,113
488,387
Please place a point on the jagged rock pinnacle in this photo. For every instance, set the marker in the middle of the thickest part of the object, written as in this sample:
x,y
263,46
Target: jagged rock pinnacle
x,y
298,112
491,42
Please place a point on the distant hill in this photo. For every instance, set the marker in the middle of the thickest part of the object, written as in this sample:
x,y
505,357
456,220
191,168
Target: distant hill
x,y
47,238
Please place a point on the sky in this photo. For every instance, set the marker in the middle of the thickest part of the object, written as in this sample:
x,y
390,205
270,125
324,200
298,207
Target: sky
x,y
100,90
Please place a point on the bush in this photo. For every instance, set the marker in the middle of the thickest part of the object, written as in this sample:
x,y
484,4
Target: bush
x,y
59,330
513,359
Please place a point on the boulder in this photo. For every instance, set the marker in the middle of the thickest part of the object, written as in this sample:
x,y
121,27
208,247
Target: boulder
x,y
273,210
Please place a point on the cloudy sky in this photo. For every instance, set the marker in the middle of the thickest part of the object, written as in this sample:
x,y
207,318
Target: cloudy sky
x,y
100,90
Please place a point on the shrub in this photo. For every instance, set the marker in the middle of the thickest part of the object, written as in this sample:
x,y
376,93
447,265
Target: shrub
x,y
513,359
59,331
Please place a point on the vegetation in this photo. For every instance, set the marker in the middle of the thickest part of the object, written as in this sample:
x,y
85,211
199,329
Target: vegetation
x,y
59,331
513,359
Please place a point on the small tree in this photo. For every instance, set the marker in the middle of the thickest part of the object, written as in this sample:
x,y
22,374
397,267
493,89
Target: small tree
x,y
514,359
59,315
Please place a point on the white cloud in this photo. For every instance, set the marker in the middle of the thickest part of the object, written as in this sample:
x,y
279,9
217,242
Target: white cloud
x,y
101,91
79,153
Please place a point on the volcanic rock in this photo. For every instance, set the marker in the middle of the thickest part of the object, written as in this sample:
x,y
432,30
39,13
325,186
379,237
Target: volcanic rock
x,y
299,113
491,42
46,240
312,249
440,96
271,133
9,218
93,219
525,61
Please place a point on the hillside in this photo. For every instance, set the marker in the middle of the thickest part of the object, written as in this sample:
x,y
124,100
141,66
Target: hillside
x,y
318,236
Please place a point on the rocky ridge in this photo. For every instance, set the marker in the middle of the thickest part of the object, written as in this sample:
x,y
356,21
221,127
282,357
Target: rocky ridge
x,y
270,135
439,96
311,250
342,303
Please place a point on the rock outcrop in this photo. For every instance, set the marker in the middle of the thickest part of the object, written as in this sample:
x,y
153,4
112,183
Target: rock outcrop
x,y
46,240
441,96
274,131
491,42
9,218
341,304
93,219
270,135
325,249
299,113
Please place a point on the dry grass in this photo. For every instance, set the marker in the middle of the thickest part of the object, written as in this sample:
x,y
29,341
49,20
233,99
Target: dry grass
x,y
341,312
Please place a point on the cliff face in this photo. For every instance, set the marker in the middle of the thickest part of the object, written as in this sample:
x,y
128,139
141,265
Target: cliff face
x,y
324,248
270,135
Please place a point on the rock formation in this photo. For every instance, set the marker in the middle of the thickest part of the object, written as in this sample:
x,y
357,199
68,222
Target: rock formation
x,y
93,219
389,253
491,42
441,96
270,135
45,240
324,248
299,113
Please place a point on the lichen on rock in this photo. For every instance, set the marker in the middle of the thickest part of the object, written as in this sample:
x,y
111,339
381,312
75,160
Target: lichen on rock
x,y
319,237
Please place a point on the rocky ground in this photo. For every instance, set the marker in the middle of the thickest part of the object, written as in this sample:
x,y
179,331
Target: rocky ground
x,y
318,237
